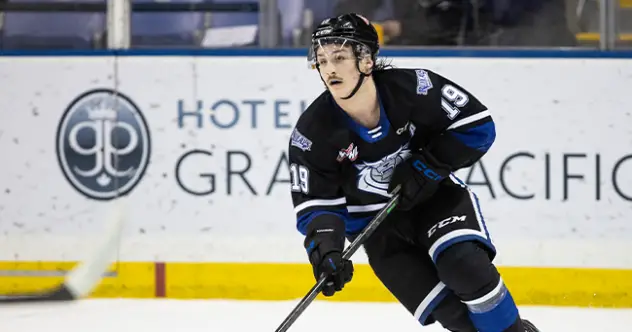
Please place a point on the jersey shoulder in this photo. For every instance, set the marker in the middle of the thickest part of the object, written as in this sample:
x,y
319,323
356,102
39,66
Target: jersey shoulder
x,y
414,81
314,126
427,89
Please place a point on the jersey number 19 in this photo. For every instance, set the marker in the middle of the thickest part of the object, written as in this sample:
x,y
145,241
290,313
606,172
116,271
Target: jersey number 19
x,y
299,178
454,96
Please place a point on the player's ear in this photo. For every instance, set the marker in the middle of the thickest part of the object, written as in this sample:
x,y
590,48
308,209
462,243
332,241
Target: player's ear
x,y
366,65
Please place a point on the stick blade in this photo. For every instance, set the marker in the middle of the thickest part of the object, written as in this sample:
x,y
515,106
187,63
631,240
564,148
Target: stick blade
x,y
87,275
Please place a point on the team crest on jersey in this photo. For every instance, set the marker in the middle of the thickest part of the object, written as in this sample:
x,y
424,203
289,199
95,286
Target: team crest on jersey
x,y
350,152
424,84
375,177
300,141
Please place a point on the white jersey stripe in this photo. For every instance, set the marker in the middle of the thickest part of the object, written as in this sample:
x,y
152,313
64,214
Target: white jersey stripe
x,y
376,129
320,202
470,119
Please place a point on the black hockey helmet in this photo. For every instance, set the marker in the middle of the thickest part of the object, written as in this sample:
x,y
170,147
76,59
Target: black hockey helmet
x,y
346,30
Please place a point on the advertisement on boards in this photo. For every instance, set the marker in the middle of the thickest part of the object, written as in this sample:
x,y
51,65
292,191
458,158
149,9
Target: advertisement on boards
x,y
197,146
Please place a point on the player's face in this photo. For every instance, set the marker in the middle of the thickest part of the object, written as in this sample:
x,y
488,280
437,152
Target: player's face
x,y
338,69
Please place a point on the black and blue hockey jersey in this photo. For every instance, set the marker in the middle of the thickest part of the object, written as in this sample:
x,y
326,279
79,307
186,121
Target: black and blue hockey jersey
x,y
340,168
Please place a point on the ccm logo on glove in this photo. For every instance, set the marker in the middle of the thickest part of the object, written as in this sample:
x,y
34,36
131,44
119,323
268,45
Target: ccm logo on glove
x,y
429,173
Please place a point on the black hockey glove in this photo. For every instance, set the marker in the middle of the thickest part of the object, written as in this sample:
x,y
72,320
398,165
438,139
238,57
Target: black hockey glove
x,y
420,176
324,244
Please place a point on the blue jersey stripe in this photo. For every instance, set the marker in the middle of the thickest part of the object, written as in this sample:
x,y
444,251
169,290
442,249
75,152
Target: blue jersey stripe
x,y
480,137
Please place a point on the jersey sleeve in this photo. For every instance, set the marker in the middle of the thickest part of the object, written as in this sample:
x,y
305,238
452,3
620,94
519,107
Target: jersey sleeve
x,y
315,185
464,126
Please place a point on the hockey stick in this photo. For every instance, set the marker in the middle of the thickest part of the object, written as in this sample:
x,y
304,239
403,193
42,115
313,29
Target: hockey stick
x,y
347,253
82,280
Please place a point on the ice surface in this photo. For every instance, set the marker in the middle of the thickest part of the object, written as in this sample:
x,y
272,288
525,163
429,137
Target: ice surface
x,y
213,316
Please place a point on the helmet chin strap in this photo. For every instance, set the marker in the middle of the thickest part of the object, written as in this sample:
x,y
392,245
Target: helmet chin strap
x,y
359,84
357,87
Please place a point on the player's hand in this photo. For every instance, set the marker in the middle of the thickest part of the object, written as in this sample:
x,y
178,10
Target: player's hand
x,y
338,271
324,244
419,176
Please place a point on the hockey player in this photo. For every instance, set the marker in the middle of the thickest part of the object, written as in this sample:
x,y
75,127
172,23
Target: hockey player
x,y
376,127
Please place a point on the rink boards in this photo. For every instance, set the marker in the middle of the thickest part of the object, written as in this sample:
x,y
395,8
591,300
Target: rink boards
x,y
608,288
202,166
